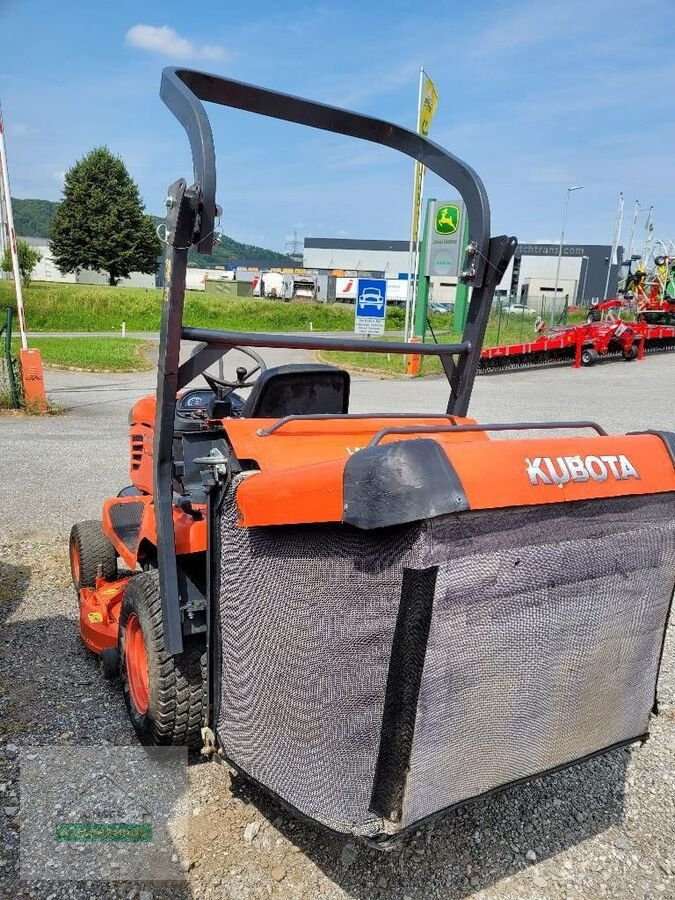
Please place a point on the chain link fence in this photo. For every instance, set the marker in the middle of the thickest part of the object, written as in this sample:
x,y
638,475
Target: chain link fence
x,y
512,321
10,382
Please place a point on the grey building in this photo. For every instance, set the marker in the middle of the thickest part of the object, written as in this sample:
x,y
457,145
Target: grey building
x,y
583,272
347,255
531,275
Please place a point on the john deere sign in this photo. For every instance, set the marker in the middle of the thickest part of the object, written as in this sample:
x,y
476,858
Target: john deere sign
x,y
444,232
447,219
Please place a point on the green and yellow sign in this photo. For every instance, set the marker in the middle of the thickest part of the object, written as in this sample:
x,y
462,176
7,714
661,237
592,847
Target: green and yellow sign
x,y
443,243
447,219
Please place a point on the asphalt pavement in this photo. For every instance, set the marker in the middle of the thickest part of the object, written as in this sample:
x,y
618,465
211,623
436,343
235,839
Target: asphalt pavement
x,y
59,469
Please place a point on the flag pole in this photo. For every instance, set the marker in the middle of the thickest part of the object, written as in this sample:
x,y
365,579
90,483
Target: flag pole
x,y
618,224
414,219
416,254
649,228
9,220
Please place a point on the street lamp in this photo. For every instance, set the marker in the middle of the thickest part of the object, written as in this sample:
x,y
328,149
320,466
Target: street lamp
x,y
585,259
577,187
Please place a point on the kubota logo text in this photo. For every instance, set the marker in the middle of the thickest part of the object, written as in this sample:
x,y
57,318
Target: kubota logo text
x,y
562,469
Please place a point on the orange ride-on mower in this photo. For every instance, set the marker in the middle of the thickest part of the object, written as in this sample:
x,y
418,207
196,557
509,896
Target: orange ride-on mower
x,y
380,616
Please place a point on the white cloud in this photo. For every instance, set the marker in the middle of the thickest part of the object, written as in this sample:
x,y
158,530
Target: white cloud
x,y
18,129
163,39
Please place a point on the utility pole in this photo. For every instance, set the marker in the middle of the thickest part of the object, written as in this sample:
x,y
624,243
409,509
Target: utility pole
x,y
615,241
636,211
585,260
294,247
577,187
649,228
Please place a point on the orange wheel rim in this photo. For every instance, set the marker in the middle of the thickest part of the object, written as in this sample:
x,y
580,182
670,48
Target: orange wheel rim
x,y
136,659
75,560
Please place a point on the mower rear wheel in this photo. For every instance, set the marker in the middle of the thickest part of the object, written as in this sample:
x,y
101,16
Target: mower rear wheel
x,y
589,356
630,354
89,548
165,695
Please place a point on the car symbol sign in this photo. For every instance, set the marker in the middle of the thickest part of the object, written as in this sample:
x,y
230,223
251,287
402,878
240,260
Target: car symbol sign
x,y
371,296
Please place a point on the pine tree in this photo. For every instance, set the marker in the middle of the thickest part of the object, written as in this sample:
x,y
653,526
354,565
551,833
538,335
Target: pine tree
x,y
100,223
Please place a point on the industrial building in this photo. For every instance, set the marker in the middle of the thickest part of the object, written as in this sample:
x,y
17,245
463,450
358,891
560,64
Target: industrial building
x,y
46,270
531,275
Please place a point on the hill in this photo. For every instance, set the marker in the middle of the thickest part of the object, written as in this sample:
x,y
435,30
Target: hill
x,y
33,218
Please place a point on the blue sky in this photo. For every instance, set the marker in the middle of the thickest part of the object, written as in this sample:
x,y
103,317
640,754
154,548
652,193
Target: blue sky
x,y
535,96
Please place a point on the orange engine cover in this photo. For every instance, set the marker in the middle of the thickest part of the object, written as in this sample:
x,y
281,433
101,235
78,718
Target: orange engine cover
x,y
141,438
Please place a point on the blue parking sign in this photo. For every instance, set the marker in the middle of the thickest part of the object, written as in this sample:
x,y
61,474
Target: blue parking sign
x,y
371,306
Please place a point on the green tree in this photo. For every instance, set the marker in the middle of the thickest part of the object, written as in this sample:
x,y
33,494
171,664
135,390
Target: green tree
x,y
100,223
28,259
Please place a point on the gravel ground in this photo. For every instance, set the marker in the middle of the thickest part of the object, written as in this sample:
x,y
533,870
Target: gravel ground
x,y
602,829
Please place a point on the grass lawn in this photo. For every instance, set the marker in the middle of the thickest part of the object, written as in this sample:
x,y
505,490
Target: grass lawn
x,y
92,308
511,330
93,354
80,307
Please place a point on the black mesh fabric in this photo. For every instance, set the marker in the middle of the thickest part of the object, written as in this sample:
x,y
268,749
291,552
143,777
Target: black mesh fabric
x,y
543,646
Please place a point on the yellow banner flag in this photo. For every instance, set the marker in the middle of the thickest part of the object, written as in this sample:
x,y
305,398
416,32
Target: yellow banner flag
x,y
428,107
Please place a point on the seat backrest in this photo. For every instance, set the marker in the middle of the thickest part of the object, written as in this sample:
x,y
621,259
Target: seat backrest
x,y
300,389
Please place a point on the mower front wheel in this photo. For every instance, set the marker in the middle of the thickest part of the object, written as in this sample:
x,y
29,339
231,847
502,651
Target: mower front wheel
x,y
89,548
165,695
630,354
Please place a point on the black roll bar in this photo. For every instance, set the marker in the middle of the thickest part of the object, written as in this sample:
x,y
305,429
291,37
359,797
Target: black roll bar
x,y
190,220
183,90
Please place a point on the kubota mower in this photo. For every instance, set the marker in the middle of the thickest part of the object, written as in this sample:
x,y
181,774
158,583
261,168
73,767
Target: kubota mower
x,y
380,616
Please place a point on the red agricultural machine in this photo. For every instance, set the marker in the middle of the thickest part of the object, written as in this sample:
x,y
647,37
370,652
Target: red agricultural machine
x,y
653,292
605,334
375,616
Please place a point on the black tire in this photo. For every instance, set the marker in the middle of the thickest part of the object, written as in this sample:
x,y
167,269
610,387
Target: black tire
x,y
89,548
109,661
630,354
176,701
589,356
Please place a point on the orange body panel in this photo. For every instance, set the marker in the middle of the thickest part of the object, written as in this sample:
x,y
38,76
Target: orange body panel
x,y
99,613
141,440
508,482
190,532
301,469
494,474
310,442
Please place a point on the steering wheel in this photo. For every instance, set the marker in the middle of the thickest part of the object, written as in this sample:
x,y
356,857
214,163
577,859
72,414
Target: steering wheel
x,y
221,387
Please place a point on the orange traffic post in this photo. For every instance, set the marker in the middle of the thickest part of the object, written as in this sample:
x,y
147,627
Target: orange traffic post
x,y
33,380
414,360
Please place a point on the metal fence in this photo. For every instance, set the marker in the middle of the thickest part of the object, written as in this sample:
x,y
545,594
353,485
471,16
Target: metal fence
x,y
513,321
9,367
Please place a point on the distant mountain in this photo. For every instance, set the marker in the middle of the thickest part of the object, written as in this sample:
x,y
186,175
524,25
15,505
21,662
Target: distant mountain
x,y
33,218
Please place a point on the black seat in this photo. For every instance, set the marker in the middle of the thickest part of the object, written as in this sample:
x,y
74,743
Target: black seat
x,y
301,389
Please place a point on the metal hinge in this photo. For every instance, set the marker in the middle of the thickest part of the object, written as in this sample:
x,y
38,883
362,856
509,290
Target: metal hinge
x,y
217,468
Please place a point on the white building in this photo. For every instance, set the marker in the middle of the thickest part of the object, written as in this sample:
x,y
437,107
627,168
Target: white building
x,y
46,270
